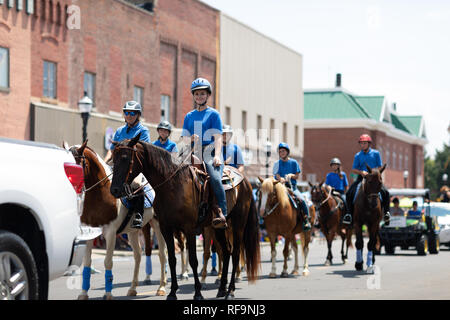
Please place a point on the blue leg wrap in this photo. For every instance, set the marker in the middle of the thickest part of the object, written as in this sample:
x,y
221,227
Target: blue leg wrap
x,y
108,280
359,257
214,259
148,265
86,278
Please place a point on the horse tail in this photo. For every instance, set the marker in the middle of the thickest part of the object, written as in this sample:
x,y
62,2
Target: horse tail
x,y
251,242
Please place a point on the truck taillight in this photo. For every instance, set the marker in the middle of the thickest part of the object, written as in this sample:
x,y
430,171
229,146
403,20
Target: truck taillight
x,y
75,175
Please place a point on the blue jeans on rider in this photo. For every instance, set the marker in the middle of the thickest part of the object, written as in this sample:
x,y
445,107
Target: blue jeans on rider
x,y
215,174
303,202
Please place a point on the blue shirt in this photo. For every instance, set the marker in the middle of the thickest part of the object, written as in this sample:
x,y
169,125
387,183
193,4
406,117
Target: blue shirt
x,y
233,152
122,134
372,158
284,167
336,182
169,145
414,213
204,123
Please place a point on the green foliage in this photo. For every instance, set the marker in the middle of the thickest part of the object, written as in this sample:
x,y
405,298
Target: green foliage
x,y
435,169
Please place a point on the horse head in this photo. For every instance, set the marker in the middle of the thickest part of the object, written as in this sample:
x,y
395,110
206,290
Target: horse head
x,y
318,194
372,184
125,168
268,196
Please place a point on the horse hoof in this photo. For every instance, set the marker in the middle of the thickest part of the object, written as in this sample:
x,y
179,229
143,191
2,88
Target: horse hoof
x,y
217,281
284,274
171,297
230,296
295,273
184,277
131,293
359,266
344,261
272,275
108,297
198,297
327,263
83,297
221,294
370,270
161,292
305,272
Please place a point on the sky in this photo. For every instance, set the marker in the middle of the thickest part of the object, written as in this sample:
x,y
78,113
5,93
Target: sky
x,y
399,49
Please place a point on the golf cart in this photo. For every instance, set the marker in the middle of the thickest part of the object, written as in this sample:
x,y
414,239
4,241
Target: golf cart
x,y
405,231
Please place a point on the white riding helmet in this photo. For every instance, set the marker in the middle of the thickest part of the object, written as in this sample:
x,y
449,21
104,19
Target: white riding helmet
x,y
132,106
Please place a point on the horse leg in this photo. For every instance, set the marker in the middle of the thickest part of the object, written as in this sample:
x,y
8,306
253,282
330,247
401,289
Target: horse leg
x,y
170,242
359,248
110,237
273,252
330,237
370,248
148,253
220,237
220,262
295,249
287,240
133,237
343,256
162,258
87,261
206,253
235,256
305,238
191,246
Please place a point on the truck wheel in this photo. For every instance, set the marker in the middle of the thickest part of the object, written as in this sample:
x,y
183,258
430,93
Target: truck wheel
x,y
433,243
422,245
390,249
18,272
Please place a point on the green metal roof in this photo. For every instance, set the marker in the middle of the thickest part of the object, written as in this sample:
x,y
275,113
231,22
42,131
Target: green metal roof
x,y
398,123
373,104
332,105
412,123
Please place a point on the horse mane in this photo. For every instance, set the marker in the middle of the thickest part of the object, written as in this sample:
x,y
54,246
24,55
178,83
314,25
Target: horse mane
x,y
102,166
281,191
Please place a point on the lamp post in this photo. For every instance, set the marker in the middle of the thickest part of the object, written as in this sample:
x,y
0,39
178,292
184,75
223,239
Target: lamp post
x,y
405,177
85,107
268,149
444,178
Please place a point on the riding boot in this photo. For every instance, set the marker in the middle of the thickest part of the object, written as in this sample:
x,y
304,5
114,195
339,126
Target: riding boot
x,y
386,204
306,223
220,222
138,206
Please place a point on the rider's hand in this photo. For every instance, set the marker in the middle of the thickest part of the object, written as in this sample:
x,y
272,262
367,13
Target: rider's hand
x,y
216,161
195,138
364,173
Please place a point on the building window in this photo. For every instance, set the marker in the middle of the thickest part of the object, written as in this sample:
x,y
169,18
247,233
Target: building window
x,y
244,120
296,136
4,67
406,162
388,157
165,107
89,85
43,9
285,132
10,3
394,160
138,95
258,126
400,162
50,11
49,80
58,14
30,6
272,128
19,5
228,115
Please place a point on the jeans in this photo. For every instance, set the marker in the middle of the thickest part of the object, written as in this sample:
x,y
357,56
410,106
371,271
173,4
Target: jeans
x,y
215,174
302,201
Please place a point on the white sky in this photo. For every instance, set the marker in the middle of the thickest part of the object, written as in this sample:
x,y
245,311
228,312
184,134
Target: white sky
x,y
399,49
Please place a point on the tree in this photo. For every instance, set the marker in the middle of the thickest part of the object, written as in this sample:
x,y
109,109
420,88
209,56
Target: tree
x,y
435,169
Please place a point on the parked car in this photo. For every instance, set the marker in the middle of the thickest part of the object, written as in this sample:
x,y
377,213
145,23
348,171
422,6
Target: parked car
x,y
442,211
420,232
41,196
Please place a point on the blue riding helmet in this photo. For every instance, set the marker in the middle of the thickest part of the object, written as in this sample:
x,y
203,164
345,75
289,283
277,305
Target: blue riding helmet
x,y
201,83
284,145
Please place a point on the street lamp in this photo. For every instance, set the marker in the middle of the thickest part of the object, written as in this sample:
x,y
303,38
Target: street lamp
x,y
405,177
444,178
268,149
85,107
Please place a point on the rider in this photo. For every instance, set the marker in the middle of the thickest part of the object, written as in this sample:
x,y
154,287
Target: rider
x,y
164,130
203,125
132,112
372,158
287,171
338,180
232,153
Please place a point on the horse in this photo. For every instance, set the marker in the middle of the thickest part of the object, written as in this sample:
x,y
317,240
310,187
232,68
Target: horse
x,y
330,212
280,218
177,206
368,211
101,209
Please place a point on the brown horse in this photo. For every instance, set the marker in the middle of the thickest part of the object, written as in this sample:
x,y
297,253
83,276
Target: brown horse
x,y
280,218
177,206
368,212
330,212
101,209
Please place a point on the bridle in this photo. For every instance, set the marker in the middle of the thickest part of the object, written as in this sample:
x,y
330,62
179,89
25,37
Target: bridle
x,y
269,198
370,196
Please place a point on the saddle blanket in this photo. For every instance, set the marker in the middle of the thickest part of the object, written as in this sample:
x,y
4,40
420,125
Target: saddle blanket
x,y
148,199
356,193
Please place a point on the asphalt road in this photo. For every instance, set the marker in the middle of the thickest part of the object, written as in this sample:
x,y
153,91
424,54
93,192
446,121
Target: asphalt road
x,y
401,276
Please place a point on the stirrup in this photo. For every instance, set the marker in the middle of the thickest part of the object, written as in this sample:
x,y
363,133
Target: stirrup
x,y
306,226
347,219
219,223
137,221
387,218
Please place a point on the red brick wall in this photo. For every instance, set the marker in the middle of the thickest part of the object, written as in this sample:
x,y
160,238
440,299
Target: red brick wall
x,y
191,28
321,145
15,102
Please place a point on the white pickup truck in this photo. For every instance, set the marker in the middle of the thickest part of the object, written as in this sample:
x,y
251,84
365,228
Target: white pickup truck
x,y
41,196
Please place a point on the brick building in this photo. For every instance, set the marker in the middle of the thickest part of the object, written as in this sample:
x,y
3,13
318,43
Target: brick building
x,y
334,120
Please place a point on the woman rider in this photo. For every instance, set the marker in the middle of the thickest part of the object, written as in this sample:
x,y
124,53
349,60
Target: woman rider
x,y
203,125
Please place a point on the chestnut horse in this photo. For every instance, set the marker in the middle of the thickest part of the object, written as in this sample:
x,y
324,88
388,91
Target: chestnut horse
x,y
101,209
329,213
280,218
177,207
368,212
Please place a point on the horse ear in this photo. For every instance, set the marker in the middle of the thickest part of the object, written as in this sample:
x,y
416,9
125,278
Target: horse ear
x,y
310,184
275,181
83,146
135,140
369,169
321,183
65,145
260,179
383,167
